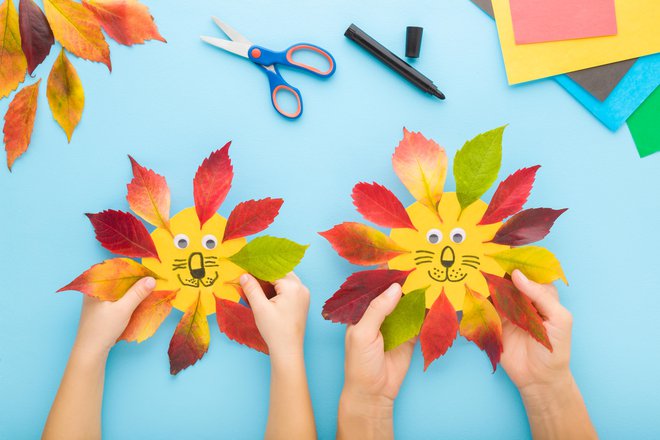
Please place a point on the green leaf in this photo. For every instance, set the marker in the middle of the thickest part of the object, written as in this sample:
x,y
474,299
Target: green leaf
x,y
405,322
476,166
269,258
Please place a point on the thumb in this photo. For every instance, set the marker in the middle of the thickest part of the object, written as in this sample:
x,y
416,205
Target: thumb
x,y
378,309
253,291
137,293
543,296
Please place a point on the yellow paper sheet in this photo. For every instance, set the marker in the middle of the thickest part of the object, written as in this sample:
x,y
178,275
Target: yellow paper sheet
x,y
638,23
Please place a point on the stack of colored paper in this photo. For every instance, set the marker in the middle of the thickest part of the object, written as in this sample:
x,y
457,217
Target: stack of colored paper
x,y
603,52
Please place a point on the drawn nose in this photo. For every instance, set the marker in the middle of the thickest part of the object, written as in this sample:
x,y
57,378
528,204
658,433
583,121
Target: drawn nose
x,y
447,257
196,265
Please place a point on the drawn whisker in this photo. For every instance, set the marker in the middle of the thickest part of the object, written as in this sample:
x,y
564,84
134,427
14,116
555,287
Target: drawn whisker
x,y
470,261
469,265
473,256
211,265
427,257
419,263
179,259
210,257
426,252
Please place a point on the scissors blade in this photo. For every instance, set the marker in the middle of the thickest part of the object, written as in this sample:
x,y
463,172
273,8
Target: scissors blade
x,y
240,49
231,32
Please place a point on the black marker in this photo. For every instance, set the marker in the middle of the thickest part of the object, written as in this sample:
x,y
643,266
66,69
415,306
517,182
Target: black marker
x,y
392,61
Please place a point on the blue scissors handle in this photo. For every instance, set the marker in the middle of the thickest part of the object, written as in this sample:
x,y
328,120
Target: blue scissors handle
x,y
267,57
277,87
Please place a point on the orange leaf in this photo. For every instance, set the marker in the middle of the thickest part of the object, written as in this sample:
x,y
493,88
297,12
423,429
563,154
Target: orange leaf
x,y
19,122
191,338
212,182
36,35
237,322
482,325
362,244
148,196
421,164
78,30
148,316
12,61
109,281
439,330
65,93
127,22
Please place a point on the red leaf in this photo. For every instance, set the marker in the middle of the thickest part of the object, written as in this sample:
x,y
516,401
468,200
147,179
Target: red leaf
x,y
191,338
517,308
361,244
148,316
482,325
527,226
251,217
127,22
36,34
439,330
19,122
148,196
510,196
123,234
349,303
377,204
212,182
237,322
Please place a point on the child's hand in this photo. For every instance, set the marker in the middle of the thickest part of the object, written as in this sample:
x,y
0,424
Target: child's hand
x,y
281,320
102,322
372,376
527,362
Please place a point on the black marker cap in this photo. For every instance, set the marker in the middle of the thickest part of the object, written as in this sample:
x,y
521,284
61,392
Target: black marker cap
x,y
413,41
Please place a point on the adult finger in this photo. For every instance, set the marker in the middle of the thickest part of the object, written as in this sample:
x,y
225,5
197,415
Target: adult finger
x,y
543,296
137,293
378,309
253,291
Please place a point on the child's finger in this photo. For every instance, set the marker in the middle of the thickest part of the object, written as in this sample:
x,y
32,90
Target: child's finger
x,y
378,309
253,291
289,284
542,296
137,293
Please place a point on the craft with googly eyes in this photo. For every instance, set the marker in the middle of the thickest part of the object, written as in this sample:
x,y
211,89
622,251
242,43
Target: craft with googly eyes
x,y
450,251
196,257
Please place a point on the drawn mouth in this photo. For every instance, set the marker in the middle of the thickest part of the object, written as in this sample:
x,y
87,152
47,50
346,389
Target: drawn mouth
x,y
430,274
195,282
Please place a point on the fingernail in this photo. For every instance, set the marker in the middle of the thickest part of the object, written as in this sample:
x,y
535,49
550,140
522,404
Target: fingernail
x,y
393,291
150,283
244,278
522,276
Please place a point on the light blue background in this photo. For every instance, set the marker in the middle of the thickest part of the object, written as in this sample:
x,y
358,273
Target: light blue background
x,y
171,105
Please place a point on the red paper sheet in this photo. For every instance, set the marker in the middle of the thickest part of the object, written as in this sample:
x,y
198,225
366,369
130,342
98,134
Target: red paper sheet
x,y
537,21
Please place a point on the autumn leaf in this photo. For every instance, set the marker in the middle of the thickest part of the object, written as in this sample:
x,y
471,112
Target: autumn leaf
x,y
527,226
377,204
537,263
149,196
349,303
12,60
109,281
36,35
269,258
510,195
268,288
251,217
78,30
439,330
405,322
128,22
476,166
191,338
19,122
148,316
123,234
517,308
65,93
421,165
482,325
212,182
361,244
237,322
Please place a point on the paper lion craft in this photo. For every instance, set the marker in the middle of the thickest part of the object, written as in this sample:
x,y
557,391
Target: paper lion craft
x,y
451,252
196,257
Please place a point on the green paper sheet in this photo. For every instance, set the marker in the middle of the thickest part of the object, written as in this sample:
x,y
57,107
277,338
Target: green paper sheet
x,y
644,125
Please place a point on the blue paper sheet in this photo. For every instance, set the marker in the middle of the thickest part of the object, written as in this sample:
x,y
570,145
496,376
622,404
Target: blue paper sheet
x,y
640,81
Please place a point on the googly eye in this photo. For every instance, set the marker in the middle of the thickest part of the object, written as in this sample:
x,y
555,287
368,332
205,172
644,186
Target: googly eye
x,y
434,236
181,241
457,235
209,242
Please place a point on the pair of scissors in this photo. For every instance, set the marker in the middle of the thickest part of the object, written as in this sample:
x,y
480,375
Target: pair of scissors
x,y
269,60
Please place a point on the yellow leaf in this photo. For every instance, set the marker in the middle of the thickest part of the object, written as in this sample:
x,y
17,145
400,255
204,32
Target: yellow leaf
x,y
78,30
65,93
13,64
537,263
